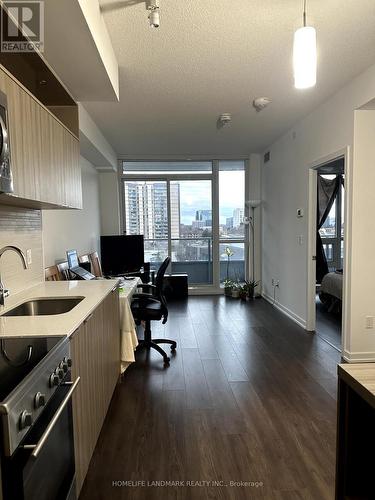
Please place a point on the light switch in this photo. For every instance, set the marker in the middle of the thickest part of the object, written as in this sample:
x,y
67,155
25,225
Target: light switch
x,y
369,322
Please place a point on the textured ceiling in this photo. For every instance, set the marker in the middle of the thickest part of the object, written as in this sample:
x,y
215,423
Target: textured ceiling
x,y
214,56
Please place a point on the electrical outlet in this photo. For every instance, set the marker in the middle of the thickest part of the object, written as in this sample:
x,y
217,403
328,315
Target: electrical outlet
x,y
369,322
29,258
275,282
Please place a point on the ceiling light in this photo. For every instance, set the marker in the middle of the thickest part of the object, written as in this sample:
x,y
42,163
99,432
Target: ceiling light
x,y
304,55
154,15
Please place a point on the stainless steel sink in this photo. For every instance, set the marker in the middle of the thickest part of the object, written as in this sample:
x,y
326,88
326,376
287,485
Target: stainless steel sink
x,y
45,307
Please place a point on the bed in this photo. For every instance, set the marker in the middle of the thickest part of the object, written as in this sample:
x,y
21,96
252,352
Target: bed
x,y
331,290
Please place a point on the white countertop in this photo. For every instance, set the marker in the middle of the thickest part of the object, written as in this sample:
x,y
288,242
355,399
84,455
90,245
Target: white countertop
x,y
94,292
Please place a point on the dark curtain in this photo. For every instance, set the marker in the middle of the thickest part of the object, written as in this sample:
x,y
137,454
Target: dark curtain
x,y
327,192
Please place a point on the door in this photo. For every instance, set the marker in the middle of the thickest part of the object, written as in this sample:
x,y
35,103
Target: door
x,y
191,229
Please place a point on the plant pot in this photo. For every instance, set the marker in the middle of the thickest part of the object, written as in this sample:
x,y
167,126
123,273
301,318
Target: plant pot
x,y
250,294
243,295
235,294
228,291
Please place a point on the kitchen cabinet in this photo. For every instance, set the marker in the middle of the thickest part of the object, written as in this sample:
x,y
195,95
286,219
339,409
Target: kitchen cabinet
x,y
44,152
355,431
95,352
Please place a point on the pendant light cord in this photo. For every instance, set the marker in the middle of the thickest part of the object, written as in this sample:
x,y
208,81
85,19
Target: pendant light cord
x,y
304,13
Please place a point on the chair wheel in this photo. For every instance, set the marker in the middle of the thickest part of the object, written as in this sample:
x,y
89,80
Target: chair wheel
x,y
173,347
166,361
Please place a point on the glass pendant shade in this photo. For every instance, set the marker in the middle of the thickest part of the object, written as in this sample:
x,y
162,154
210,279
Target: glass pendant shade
x,y
304,57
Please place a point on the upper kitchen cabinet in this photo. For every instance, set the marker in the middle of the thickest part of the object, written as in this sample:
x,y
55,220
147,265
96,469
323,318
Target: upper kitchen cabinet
x,y
43,134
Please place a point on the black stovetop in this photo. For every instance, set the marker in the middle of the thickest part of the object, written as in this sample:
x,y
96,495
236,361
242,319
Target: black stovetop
x,y
18,357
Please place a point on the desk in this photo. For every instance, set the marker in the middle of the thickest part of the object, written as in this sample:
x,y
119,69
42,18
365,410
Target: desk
x,y
129,339
356,432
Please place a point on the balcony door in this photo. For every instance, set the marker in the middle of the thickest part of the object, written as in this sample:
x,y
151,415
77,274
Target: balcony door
x,y
191,229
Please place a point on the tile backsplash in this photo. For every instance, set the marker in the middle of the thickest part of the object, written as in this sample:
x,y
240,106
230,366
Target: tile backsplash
x,y
22,228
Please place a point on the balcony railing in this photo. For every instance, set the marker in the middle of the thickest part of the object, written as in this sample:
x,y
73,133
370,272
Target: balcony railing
x,y
194,257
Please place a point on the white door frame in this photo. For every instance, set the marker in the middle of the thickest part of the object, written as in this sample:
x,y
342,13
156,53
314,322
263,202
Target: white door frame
x,y
311,247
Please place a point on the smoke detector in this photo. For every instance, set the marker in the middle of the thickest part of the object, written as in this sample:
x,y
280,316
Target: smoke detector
x,y
224,119
261,102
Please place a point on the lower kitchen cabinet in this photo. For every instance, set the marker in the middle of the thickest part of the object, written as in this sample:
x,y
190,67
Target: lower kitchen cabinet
x,y
95,352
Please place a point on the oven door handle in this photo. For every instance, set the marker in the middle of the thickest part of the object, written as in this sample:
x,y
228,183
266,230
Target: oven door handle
x,y
37,447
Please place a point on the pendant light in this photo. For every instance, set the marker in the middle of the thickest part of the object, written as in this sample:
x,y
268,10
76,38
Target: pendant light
x,y
304,55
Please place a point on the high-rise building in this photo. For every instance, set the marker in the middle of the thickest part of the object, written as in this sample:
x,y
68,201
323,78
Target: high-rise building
x,y
229,222
175,209
204,216
147,209
238,215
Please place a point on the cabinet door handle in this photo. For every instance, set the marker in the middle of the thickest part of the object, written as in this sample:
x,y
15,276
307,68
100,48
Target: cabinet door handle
x,y
114,288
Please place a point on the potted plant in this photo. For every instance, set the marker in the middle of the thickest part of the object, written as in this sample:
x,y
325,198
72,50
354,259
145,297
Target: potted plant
x,y
250,287
228,287
228,253
236,290
243,292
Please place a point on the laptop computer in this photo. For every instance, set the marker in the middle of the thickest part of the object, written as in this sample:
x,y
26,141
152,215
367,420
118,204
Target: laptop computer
x,y
75,268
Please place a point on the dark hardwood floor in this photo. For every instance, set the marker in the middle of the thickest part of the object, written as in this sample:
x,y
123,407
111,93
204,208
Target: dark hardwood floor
x,y
328,324
249,396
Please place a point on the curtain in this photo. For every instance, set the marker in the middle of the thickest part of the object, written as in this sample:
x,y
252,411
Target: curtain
x,y
327,192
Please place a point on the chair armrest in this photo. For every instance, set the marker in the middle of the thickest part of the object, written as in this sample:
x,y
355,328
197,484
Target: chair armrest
x,y
145,298
146,285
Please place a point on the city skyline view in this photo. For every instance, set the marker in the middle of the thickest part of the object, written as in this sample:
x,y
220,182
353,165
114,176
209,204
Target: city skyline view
x,y
150,204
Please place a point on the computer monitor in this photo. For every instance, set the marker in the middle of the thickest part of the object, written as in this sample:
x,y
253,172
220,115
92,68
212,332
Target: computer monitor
x,y
122,254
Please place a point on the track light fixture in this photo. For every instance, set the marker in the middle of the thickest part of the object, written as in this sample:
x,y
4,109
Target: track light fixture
x,y
304,55
154,13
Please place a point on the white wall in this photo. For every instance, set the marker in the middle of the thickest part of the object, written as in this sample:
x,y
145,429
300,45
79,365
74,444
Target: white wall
x,y
328,129
94,146
79,229
109,203
95,21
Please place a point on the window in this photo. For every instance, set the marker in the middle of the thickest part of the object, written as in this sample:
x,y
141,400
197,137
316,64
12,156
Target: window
x,y
332,231
191,229
171,204
146,212
165,167
231,219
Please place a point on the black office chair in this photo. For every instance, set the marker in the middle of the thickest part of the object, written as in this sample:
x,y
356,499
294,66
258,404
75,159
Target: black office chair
x,y
152,306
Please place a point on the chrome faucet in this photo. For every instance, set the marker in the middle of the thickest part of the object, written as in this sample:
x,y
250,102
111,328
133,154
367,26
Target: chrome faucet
x,y
4,292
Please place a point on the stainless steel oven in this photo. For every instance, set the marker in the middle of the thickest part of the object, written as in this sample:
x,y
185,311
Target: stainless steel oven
x,y
6,180
37,460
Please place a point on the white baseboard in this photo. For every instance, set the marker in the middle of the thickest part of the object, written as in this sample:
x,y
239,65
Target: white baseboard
x,y
359,357
297,319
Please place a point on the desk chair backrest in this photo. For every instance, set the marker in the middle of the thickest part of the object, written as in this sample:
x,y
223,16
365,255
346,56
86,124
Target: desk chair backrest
x,y
160,276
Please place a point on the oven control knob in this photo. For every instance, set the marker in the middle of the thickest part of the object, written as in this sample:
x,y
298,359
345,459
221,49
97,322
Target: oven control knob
x,y
64,366
39,400
26,420
59,372
68,361
54,380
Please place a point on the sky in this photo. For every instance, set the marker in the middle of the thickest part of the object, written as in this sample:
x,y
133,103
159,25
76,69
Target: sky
x,y
196,195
